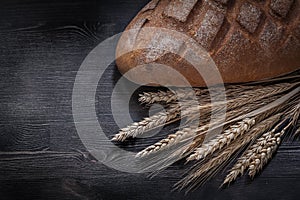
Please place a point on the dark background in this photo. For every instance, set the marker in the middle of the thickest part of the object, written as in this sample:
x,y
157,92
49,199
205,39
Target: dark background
x,y
42,44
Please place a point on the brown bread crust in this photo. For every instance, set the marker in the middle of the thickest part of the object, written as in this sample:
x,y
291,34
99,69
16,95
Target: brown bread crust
x,y
248,40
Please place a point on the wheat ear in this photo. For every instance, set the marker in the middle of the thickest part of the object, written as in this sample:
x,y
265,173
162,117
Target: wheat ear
x,y
185,133
231,92
251,97
258,94
183,94
168,141
258,149
244,161
169,96
148,123
180,135
269,143
193,110
160,96
210,167
234,131
172,139
224,139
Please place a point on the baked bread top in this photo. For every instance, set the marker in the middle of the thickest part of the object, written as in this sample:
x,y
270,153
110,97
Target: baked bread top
x,y
247,40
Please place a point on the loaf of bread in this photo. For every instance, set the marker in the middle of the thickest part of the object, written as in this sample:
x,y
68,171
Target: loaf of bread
x,y
248,40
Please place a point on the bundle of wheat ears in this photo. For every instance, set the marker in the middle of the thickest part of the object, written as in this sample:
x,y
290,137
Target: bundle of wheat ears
x,y
258,116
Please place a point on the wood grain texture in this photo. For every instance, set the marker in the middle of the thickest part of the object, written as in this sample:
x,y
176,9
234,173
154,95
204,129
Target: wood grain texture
x,y
41,156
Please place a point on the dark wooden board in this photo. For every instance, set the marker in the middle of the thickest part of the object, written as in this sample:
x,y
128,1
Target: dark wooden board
x,y
42,46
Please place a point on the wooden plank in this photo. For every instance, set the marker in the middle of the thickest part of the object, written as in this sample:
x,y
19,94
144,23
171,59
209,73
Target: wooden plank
x,y
41,156
77,164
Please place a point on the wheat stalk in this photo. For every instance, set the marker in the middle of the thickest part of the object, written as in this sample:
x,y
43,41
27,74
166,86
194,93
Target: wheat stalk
x,y
224,139
269,143
297,132
244,161
255,98
218,142
169,96
211,166
192,111
171,139
262,148
260,158
258,94
157,120
148,123
297,127
231,92
257,116
186,134
160,96
182,94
